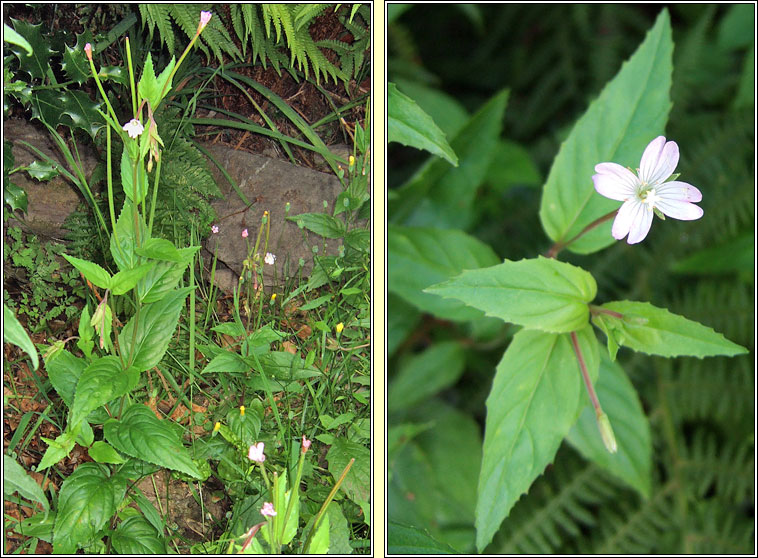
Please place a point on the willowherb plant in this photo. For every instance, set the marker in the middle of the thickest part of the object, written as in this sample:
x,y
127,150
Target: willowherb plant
x,y
96,387
537,400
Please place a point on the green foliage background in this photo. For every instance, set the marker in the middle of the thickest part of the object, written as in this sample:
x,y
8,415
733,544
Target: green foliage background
x,y
554,60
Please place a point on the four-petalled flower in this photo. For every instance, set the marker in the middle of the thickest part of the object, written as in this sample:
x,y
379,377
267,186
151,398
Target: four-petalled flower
x,y
647,192
268,509
134,128
270,258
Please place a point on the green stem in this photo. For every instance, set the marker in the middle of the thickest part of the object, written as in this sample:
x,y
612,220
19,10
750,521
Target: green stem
x,y
326,503
293,491
131,78
102,91
155,196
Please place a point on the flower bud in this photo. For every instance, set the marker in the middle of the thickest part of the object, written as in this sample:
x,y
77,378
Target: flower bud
x,y
205,17
242,410
339,327
88,51
606,432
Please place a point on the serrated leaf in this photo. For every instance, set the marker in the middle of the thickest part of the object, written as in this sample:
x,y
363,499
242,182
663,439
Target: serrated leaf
x,y
408,124
11,37
164,276
135,536
57,449
103,380
420,257
102,452
631,110
357,483
321,224
406,539
37,63
114,73
148,84
533,404
47,105
125,281
15,197
154,328
656,331
442,196
123,242
540,293
633,461
141,434
91,271
88,499
282,365
16,479
82,111
63,371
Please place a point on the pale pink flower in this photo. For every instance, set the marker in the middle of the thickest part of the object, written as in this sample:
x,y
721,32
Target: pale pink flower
x,y
647,192
205,17
306,444
244,233
134,128
214,229
268,509
270,258
256,453
88,51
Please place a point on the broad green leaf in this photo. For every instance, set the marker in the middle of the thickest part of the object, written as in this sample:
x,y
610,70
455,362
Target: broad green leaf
x,y
736,28
320,223
103,380
425,374
736,254
36,63
408,124
82,111
164,276
226,362
135,536
86,337
163,84
87,500
148,84
631,111
131,187
160,249
339,531
14,332
39,526
246,427
154,327
64,371
406,539
123,241
47,106
402,319
357,483
656,331
446,111
420,257
281,365
512,165
103,452
633,461
124,281
281,501
320,542
91,271
442,196
16,479
540,293
141,434
58,449
533,404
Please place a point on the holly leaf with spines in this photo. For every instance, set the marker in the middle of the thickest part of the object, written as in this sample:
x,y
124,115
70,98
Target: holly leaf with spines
x,y
36,64
75,62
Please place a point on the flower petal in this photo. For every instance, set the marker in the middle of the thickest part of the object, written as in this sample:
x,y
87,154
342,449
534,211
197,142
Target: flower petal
x,y
659,160
634,218
677,209
676,190
614,181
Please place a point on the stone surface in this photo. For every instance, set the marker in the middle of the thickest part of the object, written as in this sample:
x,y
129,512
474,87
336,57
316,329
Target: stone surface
x,y
49,203
269,183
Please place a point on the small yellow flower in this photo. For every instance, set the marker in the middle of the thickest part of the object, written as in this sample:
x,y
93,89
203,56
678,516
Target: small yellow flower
x,y
339,327
273,298
242,410
217,427
351,161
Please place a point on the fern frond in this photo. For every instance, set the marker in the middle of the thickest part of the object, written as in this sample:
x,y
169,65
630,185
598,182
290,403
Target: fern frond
x,y
157,15
305,13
